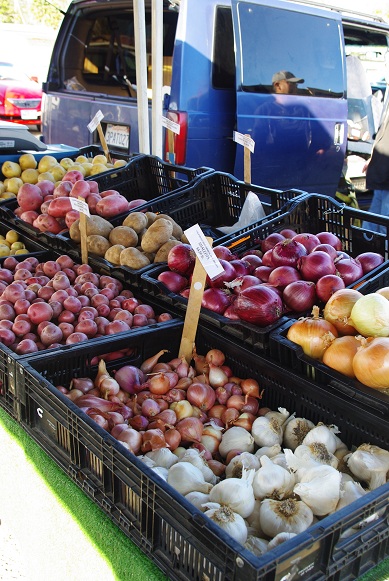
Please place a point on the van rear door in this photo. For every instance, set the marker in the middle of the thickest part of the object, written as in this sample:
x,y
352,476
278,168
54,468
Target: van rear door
x,y
300,137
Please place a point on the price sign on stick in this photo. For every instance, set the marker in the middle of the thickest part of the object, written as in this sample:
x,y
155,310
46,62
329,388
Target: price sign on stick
x,y
206,263
171,128
248,145
81,206
95,124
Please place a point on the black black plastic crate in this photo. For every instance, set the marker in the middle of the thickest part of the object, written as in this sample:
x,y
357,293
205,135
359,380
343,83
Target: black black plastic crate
x,y
173,533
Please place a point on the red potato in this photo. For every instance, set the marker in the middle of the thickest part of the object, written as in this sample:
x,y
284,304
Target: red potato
x,y
39,312
63,189
29,197
80,189
26,346
10,262
45,206
71,217
6,275
7,312
46,187
76,338
57,308
18,211
65,261
21,306
66,328
111,206
73,175
46,223
92,202
14,292
87,326
59,207
22,274
107,193
135,203
50,268
50,334
94,186
67,317
29,216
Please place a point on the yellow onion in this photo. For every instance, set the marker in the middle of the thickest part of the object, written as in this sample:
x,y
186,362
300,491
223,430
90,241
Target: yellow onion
x,y
370,315
340,354
371,363
314,334
338,310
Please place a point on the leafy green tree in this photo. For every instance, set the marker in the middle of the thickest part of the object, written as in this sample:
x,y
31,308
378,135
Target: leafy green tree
x,y
33,12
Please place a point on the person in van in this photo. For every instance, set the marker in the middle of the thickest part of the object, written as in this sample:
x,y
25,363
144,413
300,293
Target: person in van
x,y
285,82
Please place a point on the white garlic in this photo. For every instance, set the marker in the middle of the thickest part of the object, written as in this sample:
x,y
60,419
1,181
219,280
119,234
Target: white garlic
x,y
148,461
370,464
196,458
272,481
231,522
237,493
318,452
284,516
237,463
295,431
162,457
268,451
162,472
281,416
236,438
256,545
198,499
267,431
252,520
279,539
298,466
280,460
349,492
323,434
319,488
185,478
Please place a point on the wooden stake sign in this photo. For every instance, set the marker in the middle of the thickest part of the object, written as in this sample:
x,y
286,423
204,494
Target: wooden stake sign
x,y
95,124
82,207
248,145
206,263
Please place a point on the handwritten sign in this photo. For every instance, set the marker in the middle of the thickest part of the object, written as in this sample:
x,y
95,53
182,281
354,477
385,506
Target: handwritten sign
x,y
244,140
79,205
171,125
92,126
204,252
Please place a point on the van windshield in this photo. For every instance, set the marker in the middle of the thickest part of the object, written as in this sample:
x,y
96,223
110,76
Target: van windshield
x,y
293,49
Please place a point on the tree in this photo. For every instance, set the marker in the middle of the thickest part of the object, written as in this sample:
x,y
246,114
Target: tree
x,y
33,12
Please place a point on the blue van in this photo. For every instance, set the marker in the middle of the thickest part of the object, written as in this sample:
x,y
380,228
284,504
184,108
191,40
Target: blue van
x,y
227,67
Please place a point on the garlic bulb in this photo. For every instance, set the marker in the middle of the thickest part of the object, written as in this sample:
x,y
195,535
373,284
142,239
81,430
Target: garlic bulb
x,y
148,461
162,457
272,481
279,539
198,499
185,478
267,431
319,488
318,452
323,434
244,460
281,416
280,460
349,491
284,516
256,545
237,493
161,471
231,522
298,466
295,431
236,438
369,464
268,451
196,458
252,520
179,451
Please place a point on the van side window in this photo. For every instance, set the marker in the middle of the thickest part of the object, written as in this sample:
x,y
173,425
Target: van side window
x,y
223,63
305,45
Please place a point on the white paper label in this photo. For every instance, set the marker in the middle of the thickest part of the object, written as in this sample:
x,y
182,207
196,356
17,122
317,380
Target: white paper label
x,y
203,251
80,206
244,140
95,121
169,124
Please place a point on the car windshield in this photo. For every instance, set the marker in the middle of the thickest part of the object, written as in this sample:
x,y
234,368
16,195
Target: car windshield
x,y
8,71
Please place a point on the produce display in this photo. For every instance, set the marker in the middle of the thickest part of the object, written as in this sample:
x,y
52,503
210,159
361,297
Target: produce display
x,y
59,302
30,170
11,245
262,475
351,337
289,274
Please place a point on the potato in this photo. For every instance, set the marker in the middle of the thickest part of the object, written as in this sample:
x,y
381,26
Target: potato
x,y
150,218
112,205
95,225
177,230
97,244
162,253
157,234
133,258
137,221
123,235
113,253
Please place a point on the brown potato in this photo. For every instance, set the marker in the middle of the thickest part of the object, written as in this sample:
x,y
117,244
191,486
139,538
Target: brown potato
x,y
113,254
137,221
123,235
162,253
177,230
95,225
97,244
157,234
133,258
150,218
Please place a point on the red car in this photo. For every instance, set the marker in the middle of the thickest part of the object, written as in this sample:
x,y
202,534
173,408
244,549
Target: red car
x,y
20,96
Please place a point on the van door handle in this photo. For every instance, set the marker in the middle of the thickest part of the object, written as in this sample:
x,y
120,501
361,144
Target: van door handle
x,y
339,133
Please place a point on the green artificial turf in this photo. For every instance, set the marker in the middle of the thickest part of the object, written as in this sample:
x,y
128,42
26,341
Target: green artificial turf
x,y
127,562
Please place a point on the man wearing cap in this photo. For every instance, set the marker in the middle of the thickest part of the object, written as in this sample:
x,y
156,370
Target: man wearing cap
x,y
285,82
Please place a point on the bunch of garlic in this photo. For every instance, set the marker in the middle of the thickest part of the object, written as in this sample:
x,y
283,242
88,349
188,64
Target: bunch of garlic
x,y
272,481
369,464
267,430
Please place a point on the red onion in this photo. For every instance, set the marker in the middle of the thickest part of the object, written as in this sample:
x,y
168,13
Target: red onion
x,y
224,253
288,233
307,240
267,258
174,281
330,238
242,267
243,282
326,248
349,269
300,295
128,377
271,240
259,304
263,272
227,276
181,259
315,265
254,260
327,285
287,252
369,261
281,276
216,299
